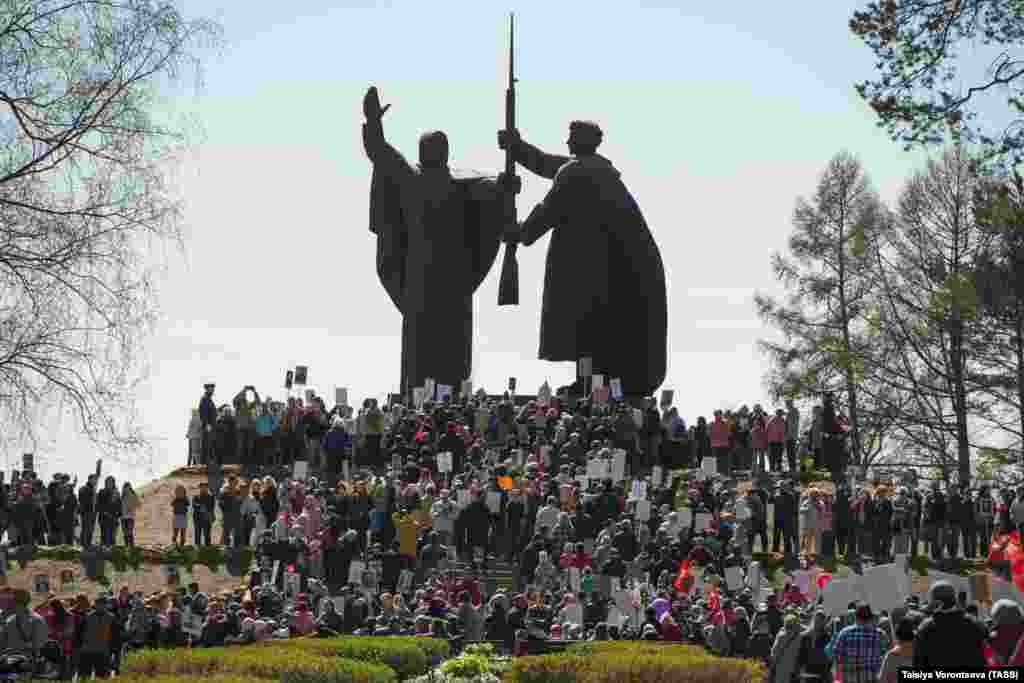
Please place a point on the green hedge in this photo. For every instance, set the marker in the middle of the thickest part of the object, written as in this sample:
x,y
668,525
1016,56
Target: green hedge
x,y
633,662
263,660
407,656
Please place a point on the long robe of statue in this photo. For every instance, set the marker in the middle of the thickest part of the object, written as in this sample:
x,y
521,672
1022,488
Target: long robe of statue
x,y
604,284
437,238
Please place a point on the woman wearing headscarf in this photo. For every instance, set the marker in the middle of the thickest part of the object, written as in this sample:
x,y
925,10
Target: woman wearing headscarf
x,y
496,625
1007,629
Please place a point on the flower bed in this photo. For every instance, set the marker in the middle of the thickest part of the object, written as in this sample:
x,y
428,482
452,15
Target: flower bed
x,y
263,661
633,662
407,656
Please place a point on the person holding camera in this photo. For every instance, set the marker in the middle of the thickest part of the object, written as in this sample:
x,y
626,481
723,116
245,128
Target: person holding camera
x,y
245,419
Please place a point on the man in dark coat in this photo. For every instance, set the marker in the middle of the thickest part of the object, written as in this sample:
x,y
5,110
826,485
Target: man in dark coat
x,y
949,638
207,418
604,271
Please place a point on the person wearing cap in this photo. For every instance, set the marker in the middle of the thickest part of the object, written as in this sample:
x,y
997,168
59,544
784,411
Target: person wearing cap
x,y
858,649
207,419
786,650
949,638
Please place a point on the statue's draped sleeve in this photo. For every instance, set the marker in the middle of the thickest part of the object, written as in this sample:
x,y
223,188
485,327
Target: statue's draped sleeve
x,y
485,224
390,187
554,210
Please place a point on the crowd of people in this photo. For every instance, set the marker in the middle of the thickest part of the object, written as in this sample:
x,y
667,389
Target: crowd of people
x,y
33,512
615,521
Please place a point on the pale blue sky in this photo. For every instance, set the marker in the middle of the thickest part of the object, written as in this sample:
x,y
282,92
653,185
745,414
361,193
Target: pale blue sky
x,y
717,120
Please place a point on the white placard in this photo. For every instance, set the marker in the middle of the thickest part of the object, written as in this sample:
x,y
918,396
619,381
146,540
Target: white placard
x,y
419,395
444,462
596,468
597,381
754,579
429,388
702,522
341,396
575,579
838,594
277,568
405,579
292,585
300,470
884,586
355,572
191,624
616,387
709,465
618,472
734,578
643,510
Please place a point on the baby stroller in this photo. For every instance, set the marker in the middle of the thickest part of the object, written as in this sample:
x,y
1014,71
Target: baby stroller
x,y
20,665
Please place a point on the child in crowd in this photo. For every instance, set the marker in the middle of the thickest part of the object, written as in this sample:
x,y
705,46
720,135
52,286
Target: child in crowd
x,y
179,506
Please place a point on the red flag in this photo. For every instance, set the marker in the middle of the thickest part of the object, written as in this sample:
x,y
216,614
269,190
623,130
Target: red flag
x,y
714,604
684,573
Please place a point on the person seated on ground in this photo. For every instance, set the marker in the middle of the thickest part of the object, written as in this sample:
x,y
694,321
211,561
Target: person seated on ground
x,y
215,629
173,634
330,622
302,623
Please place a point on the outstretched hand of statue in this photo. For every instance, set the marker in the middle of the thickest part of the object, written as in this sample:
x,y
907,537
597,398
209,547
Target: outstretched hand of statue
x,y
371,105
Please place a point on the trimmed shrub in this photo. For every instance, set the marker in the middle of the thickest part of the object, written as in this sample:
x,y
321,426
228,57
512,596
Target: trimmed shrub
x,y
264,660
401,654
633,662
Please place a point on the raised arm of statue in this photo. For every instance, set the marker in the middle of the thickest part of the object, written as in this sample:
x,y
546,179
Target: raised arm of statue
x,y
531,158
386,159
